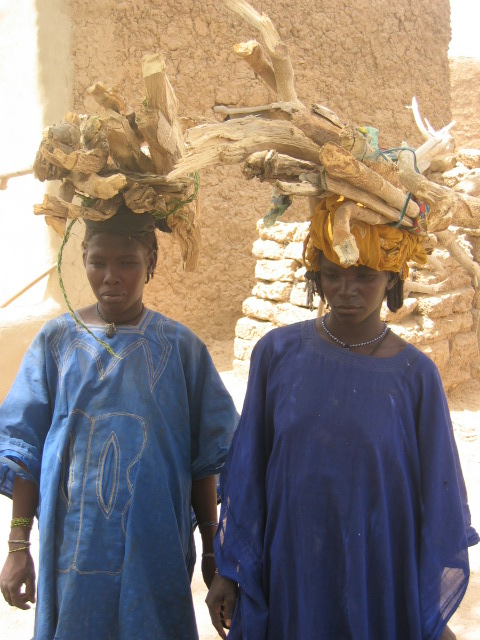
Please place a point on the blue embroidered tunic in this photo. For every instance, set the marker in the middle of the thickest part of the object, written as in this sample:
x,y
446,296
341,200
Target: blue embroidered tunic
x,y
114,445
344,514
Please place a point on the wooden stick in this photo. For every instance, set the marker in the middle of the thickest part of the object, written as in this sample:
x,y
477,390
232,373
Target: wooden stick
x,y
343,241
108,98
233,141
253,54
124,145
158,120
448,240
268,165
279,55
446,206
58,208
339,163
322,183
98,187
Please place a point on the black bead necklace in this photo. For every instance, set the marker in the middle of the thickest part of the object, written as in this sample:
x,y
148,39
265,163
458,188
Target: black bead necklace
x,y
110,327
347,346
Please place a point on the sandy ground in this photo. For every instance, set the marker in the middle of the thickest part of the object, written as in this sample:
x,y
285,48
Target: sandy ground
x,y
465,409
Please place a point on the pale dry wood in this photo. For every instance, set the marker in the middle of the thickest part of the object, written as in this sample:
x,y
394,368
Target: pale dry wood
x,y
98,187
59,225
446,206
108,98
343,241
339,163
58,208
355,142
327,114
270,165
325,183
316,127
412,286
233,141
448,240
253,54
158,120
278,51
124,145
5,177
141,198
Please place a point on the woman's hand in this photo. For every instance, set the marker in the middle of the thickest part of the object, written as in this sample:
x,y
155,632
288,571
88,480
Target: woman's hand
x,y
208,570
448,634
221,600
17,571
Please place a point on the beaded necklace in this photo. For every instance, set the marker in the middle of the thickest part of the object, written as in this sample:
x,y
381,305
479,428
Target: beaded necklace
x,y
347,346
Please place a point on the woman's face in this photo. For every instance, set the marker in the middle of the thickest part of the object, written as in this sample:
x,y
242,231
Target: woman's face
x,y
117,268
356,293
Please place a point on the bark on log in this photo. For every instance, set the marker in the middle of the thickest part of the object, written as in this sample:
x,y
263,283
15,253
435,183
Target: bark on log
x,y
158,121
355,143
141,198
233,141
124,145
339,163
58,208
316,127
98,187
344,243
446,206
270,165
108,98
278,51
448,240
324,183
429,289
253,54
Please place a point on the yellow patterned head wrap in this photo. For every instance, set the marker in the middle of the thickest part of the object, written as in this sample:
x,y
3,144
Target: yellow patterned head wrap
x,y
381,247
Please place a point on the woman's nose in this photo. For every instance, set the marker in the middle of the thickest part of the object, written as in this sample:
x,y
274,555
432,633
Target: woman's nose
x,y
111,274
347,286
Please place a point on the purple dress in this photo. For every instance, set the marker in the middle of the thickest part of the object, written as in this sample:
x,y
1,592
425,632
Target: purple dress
x,y
345,514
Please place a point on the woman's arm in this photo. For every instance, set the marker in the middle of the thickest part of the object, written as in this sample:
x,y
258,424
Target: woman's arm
x,y
19,569
204,503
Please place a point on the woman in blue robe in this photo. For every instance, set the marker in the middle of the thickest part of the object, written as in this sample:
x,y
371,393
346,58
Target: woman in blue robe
x,y
344,512
119,448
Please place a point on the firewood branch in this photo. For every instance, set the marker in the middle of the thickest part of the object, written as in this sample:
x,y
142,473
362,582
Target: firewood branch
x,y
278,51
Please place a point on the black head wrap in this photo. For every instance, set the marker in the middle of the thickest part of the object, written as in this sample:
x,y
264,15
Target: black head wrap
x,y
123,223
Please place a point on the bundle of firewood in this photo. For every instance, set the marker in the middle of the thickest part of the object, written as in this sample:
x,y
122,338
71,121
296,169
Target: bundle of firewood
x,y
122,157
313,153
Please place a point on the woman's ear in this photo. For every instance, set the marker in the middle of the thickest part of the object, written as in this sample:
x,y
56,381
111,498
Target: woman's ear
x,y
151,262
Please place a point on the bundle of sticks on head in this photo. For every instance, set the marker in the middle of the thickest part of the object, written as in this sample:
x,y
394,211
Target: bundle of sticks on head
x,y
313,153
122,157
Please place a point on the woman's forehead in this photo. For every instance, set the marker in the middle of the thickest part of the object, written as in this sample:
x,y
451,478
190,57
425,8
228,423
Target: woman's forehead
x,y
109,242
325,263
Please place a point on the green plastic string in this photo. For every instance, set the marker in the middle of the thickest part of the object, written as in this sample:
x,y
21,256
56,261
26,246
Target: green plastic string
x,y
76,319
178,204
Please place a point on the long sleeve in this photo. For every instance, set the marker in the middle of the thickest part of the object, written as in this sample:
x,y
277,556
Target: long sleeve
x,y
446,529
25,417
239,541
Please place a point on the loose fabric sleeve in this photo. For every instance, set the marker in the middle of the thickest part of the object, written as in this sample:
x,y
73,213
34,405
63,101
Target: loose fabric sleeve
x,y
213,416
25,418
239,540
446,529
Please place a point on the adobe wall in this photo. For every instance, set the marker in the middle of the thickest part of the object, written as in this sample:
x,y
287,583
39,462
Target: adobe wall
x,y
465,91
364,60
